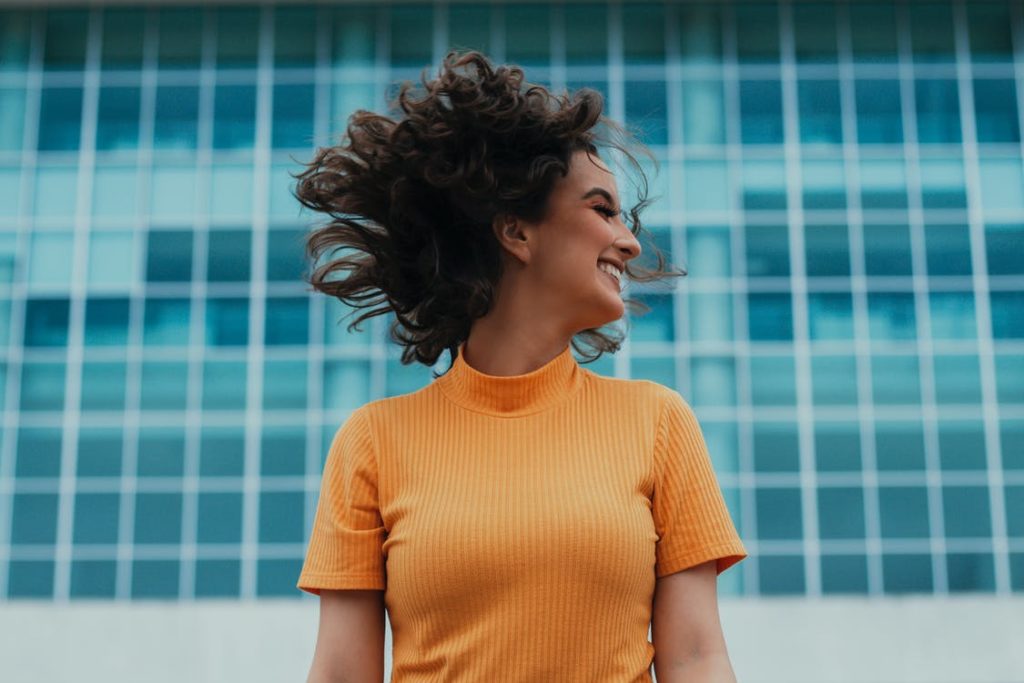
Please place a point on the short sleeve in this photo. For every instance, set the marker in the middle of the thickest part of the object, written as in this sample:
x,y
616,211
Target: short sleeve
x,y
690,515
345,545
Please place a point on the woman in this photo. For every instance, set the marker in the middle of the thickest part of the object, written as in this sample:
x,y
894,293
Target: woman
x,y
520,518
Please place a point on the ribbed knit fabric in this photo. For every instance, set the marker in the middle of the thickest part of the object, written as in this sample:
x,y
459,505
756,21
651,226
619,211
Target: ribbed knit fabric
x,y
518,523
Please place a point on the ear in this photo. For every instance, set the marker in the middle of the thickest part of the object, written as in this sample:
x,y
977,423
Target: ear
x,y
514,236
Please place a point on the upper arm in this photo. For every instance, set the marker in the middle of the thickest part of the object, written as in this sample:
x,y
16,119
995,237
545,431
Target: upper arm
x,y
684,619
350,639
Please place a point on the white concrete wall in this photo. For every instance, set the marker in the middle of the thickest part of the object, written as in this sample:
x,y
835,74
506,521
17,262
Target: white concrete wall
x,y
912,640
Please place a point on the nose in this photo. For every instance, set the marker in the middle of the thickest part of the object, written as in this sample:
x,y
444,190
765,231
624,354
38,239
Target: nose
x,y
627,244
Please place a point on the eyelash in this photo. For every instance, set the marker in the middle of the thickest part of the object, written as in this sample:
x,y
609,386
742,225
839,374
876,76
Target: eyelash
x,y
606,210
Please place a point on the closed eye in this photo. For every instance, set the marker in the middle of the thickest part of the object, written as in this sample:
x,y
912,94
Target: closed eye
x,y
606,210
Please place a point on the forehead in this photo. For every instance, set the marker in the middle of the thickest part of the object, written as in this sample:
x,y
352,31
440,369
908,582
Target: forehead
x,y
587,170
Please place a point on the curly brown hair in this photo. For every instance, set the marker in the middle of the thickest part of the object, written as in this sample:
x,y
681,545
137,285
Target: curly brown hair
x,y
413,200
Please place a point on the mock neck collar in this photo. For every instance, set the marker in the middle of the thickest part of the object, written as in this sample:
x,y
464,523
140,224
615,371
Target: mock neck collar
x,y
512,395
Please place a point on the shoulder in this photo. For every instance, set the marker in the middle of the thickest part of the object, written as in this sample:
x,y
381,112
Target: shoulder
x,y
648,396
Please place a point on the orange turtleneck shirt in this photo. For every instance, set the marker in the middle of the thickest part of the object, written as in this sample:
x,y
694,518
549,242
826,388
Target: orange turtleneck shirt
x,y
517,523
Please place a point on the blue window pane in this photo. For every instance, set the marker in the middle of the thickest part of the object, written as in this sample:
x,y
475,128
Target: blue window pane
x,y
707,186
169,256
283,451
1004,245
899,446
155,578
873,32
277,576
827,250
769,316
761,112
952,315
824,184
295,32
51,255
38,452
781,575
767,249
166,322
957,379
181,37
164,385
238,37
218,578
99,452
220,517
293,116
161,452
820,116
844,574
962,445
764,184
34,518
158,518
287,321
657,324
779,514
96,516
948,249
643,34
106,321
284,385
12,117
172,190
528,34
124,30
224,385
883,183
42,386
837,446
176,119
887,250
995,110
966,511
711,317
222,451
15,34
345,384
1007,314
228,256
834,379
1009,366
646,111
114,192
234,124
990,27
354,31
285,255
714,380
56,194
896,380
586,35
117,123
60,119
906,573
904,511
1014,510
775,447
103,385
66,33
773,380
281,515
30,579
757,32
942,184
814,28
971,572
227,321
830,315
891,315
1002,184
931,31
879,117
232,190
703,112
93,578
841,512
46,322
938,110
708,252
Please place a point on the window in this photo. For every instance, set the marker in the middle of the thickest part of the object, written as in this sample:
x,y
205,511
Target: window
x,y
117,124
169,256
776,448
837,446
228,255
879,116
354,37
904,511
895,380
234,122
779,514
761,112
293,116
995,110
157,517
176,119
820,115
295,34
938,111
60,118
841,512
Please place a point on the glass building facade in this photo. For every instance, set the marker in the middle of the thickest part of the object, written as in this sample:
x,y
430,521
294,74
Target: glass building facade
x,y
842,180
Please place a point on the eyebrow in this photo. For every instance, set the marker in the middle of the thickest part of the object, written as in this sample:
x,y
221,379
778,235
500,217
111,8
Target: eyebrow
x,y
601,191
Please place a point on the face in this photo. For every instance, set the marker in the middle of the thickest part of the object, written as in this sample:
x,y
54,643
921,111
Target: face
x,y
558,258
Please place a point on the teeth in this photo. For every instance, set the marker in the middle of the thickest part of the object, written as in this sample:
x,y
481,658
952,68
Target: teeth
x,y
610,269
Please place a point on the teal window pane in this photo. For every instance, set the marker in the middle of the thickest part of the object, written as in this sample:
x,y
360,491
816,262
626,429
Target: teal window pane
x,y
657,324
837,446
30,579
703,112
115,191
952,315
815,32
295,34
286,261
722,442
66,33
42,385
883,183
776,448
779,514
700,32
895,380
661,369
56,190
38,452
1002,184
222,451
962,445
15,34
166,322
528,34
971,572
34,519
284,385
51,256
10,206
830,315
1004,245
281,515
938,111
161,452
906,573
172,190
96,516
345,384
824,184
948,249
707,186
767,251
220,517
827,250
781,575
761,112
772,380
293,116
904,511
844,574
232,190
117,118
841,512
354,35
169,256
93,578
123,32
283,203
757,32
995,110
46,322
176,119
1014,496
931,31
348,96
899,445
646,110
887,250
873,31
106,321
714,380
276,577
821,120
1009,366
764,185
411,45
218,578
155,578
643,34
180,44
12,116
469,28
769,316
60,118
224,385
157,517
283,451
990,28
234,116
228,256
834,379
1007,314
586,34
966,511
879,117
711,317
99,452
957,379
103,385
891,315
238,37
942,183
164,385
112,261
287,321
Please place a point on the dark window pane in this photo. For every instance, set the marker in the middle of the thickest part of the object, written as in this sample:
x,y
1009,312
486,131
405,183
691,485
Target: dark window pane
x,y
781,575
169,256
158,518
891,316
167,322
841,512
827,249
181,37
34,518
887,250
155,578
830,315
757,31
287,321
814,26
38,452
931,31
820,115
837,446
238,37
283,451
67,32
895,380
966,511
46,322
879,117
276,577
117,124
995,110
224,385
761,112
293,116
899,446
948,249
176,120
123,32
990,28
906,573
957,379
96,516
99,452
220,517
42,386
161,452
643,33
779,514
873,31
1004,245
469,28
1007,314
164,385
646,110
775,447
962,445
586,34
770,316
222,452
227,321
281,515
700,32
295,36
528,34
106,321
971,572
60,119
234,117
30,579
844,574
218,578
285,255
410,44
93,578
904,511
15,37
938,110
228,256
354,42
103,385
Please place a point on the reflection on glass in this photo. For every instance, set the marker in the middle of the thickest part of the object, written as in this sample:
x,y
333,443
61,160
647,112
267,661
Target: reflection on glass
x,y
176,119
938,110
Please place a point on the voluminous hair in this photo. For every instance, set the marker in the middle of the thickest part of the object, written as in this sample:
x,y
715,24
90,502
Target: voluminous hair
x,y
412,199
